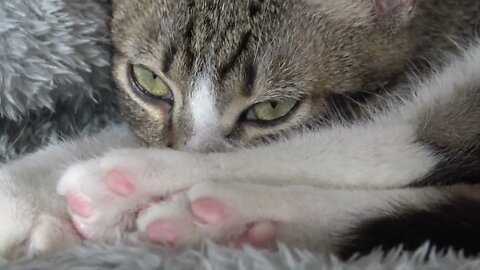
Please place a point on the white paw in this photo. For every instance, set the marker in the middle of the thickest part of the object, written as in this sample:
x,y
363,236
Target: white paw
x,y
207,211
105,195
28,229
32,224
50,235
44,235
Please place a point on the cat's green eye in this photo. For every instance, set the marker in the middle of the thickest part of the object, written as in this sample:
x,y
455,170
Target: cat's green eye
x,y
271,110
150,82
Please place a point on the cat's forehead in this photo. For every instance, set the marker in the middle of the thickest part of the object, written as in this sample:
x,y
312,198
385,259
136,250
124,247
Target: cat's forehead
x,y
217,22
221,57
276,44
222,34
230,38
217,31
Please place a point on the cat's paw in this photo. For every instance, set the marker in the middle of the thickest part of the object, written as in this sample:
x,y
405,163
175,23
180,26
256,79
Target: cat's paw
x,y
104,195
39,234
32,222
207,211
47,235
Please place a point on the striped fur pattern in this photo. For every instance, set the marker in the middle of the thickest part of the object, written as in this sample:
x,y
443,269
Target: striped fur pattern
x,y
401,170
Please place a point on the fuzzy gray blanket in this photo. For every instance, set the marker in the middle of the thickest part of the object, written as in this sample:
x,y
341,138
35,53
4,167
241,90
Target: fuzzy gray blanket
x,y
55,83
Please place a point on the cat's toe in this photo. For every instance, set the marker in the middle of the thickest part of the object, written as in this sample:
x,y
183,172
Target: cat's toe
x,y
52,234
45,234
163,232
102,202
261,234
104,195
226,208
189,217
118,182
210,211
169,222
80,205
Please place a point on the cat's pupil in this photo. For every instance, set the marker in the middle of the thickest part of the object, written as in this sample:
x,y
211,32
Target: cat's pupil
x,y
274,104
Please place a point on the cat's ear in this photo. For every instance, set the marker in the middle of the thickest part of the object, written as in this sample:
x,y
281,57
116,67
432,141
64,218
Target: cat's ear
x,y
393,12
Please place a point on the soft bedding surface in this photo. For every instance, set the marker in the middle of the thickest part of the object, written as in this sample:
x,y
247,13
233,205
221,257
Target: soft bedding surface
x,y
55,83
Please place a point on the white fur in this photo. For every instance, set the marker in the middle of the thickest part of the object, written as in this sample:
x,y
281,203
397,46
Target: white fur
x,y
364,155
35,220
381,153
205,116
306,217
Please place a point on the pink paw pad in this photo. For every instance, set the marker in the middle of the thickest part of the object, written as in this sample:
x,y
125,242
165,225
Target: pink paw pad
x,y
119,183
259,235
162,232
262,234
209,211
81,229
80,205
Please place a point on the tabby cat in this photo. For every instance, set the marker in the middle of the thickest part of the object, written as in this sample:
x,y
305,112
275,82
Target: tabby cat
x,y
251,121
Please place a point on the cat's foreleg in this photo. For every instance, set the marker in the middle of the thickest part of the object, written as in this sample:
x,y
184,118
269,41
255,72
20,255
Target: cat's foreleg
x,y
34,218
105,193
318,219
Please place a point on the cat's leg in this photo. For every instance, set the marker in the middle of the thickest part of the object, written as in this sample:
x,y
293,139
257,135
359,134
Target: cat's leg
x,y
429,138
106,193
114,187
34,219
306,217
151,184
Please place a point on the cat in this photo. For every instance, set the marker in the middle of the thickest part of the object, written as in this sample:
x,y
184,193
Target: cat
x,y
264,120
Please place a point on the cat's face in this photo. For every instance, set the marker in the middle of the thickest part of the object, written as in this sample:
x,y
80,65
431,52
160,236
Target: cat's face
x,y
196,74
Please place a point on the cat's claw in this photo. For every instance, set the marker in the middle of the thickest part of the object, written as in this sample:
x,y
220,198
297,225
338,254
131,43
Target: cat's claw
x,y
203,213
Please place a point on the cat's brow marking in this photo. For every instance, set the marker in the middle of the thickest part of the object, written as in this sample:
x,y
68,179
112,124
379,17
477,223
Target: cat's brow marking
x,y
233,59
250,77
168,57
189,37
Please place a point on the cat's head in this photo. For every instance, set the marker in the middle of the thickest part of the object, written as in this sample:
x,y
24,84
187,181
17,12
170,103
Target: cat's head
x,y
194,74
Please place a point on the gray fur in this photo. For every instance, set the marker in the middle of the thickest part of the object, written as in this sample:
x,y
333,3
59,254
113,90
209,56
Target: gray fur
x,y
22,135
305,49
95,256
54,72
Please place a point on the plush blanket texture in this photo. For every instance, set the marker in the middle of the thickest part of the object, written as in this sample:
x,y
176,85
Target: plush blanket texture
x,y
55,83
54,71
211,257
